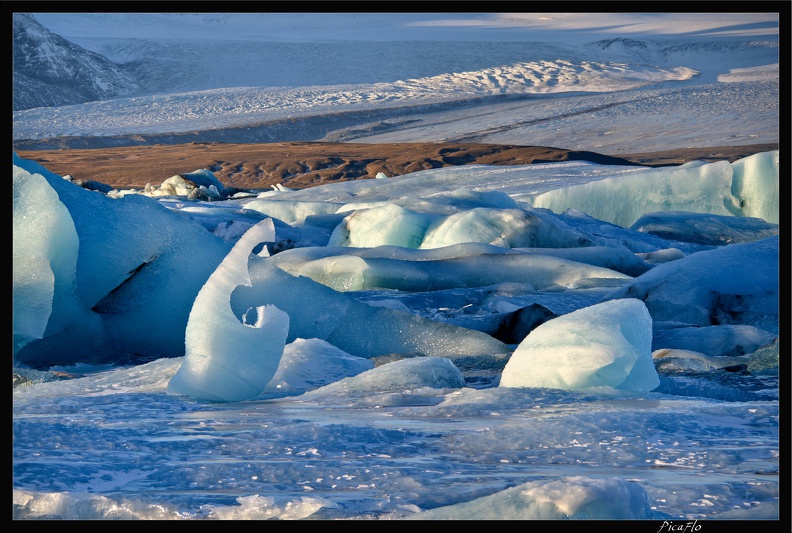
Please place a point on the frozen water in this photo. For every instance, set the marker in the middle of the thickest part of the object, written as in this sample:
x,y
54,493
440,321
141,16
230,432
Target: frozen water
x,y
44,259
604,345
385,403
139,267
575,498
726,340
756,182
353,273
353,421
704,228
694,187
711,287
229,357
308,364
386,225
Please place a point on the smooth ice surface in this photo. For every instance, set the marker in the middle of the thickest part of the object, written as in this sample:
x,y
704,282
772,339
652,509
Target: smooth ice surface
x,y
139,267
353,273
510,228
604,345
403,375
387,225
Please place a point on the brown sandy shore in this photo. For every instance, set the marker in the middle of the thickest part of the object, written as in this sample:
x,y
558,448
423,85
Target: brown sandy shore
x,y
305,164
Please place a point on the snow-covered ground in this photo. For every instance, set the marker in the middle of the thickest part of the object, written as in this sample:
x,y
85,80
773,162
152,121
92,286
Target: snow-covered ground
x,y
553,341
695,82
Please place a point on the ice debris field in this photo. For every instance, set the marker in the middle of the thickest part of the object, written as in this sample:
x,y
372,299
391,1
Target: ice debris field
x,y
558,340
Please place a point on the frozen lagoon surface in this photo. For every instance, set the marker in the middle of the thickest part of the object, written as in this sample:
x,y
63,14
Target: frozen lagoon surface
x,y
370,418
413,292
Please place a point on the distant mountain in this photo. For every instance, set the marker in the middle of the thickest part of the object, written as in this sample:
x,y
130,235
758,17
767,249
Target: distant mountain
x,y
699,54
51,71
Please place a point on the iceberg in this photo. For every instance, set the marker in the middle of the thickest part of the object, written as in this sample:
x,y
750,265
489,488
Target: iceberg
x,y
603,345
317,311
399,376
704,228
717,341
308,364
231,357
756,183
386,225
748,187
712,287
139,267
355,273
510,228
44,273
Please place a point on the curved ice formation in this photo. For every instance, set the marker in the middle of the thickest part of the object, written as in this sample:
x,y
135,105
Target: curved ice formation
x,y
576,498
317,311
603,345
231,358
